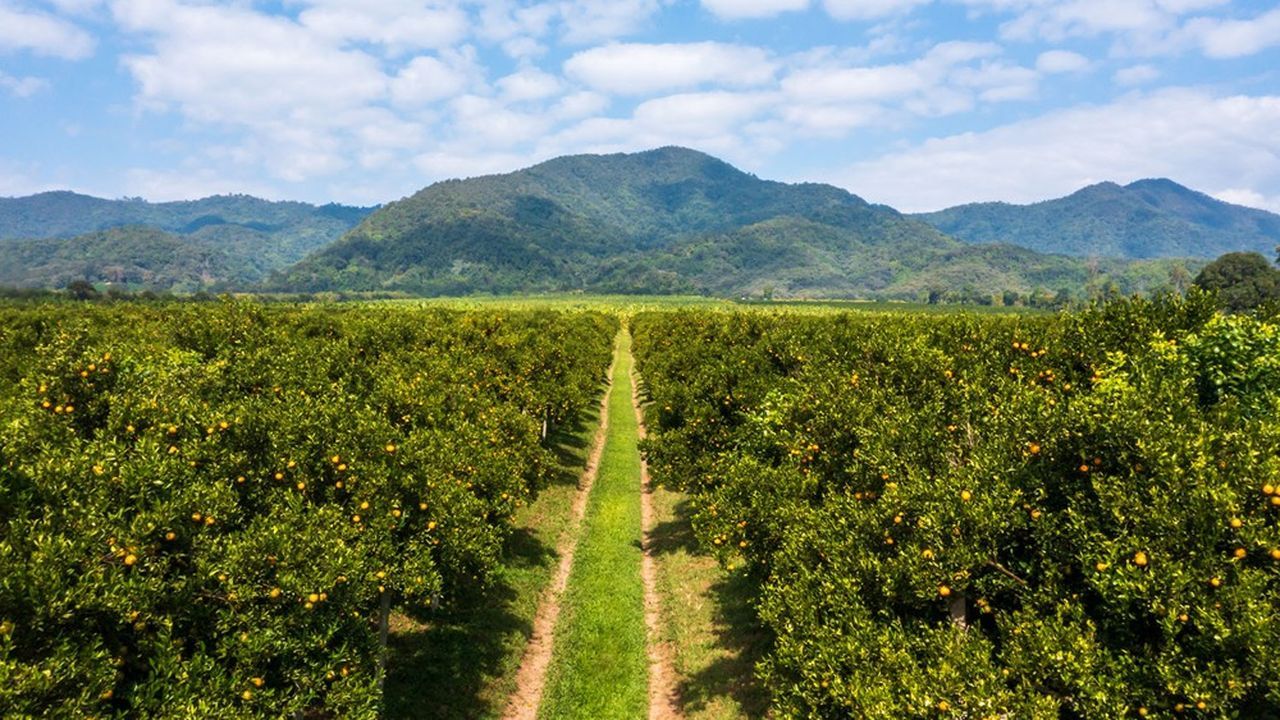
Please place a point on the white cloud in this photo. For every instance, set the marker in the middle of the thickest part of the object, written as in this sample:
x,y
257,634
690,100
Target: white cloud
x,y
398,24
579,105
1136,75
639,69
857,84
1062,19
950,78
187,183
227,64
300,100
998,82
1189,135
1249,198
426,79
698,115
741,9
529,84
1235,38
869,9
586,21
42,34
1061,61
22,87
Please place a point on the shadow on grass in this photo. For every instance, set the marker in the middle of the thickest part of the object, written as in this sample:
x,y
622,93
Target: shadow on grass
x,y
736,629
571,444
449,663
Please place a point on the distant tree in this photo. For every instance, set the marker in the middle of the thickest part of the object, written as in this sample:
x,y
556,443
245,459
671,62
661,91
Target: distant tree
x,y
1011,298
935,296
1243,280
82,290
1180,278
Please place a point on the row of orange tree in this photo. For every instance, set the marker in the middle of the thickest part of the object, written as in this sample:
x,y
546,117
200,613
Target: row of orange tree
x,y
207,511
1069,516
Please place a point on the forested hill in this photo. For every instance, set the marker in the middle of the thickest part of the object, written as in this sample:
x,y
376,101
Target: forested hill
x,y
666,220
1144,219
224,241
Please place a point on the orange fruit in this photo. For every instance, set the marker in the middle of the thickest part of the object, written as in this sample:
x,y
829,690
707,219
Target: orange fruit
x,y
1140,559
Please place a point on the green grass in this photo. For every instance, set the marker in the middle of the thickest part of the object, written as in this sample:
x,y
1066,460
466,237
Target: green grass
x,y
599,669
461,662
706,620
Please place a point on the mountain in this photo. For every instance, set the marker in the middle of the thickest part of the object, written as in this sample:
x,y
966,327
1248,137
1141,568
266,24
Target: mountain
x,y
666,220
133,255
228,240
1144,219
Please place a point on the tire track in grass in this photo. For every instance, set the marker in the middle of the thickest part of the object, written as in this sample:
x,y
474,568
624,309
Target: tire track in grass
x,y
531,678
664,698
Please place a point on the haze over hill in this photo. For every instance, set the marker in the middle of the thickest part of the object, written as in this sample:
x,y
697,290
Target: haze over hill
x,y
668,220
1144,219
53,238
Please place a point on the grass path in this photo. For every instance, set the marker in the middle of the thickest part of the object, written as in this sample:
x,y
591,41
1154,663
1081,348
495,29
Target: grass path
x,y
530,679
604,608
599,668
706,621
664,695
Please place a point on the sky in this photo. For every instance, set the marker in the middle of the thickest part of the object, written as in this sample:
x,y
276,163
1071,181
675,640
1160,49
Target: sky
x,y
919,104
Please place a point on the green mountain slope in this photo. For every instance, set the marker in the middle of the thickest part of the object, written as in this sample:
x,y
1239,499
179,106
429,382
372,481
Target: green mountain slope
x,y
129,256
228,240
1145,219
666,220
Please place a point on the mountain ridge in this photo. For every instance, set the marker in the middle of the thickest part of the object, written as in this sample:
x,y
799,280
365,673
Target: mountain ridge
x,y
1147,218
54,237
663,220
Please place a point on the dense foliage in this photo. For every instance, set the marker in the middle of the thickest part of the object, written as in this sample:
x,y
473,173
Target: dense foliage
x,y
1074,516
206,511
1242,281
677,221
54,238
1144,219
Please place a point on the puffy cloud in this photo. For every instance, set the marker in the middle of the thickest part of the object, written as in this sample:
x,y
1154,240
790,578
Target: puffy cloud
x,y
1249,198
1061,61
229,64
22,87
855,84
529,84
585,21
1136,75
426,79
42,34
950,78
869,9
641,69
1056,21
740,9
398,24
1235,38
1191,136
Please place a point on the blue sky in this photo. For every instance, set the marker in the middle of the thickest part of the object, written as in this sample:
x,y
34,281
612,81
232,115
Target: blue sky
x,y
920,104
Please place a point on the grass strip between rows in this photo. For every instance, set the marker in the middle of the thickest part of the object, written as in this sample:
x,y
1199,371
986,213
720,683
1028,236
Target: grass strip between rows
x,y
599,668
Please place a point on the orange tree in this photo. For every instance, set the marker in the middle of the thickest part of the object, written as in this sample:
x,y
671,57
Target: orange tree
x,y
207,510
1073,516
